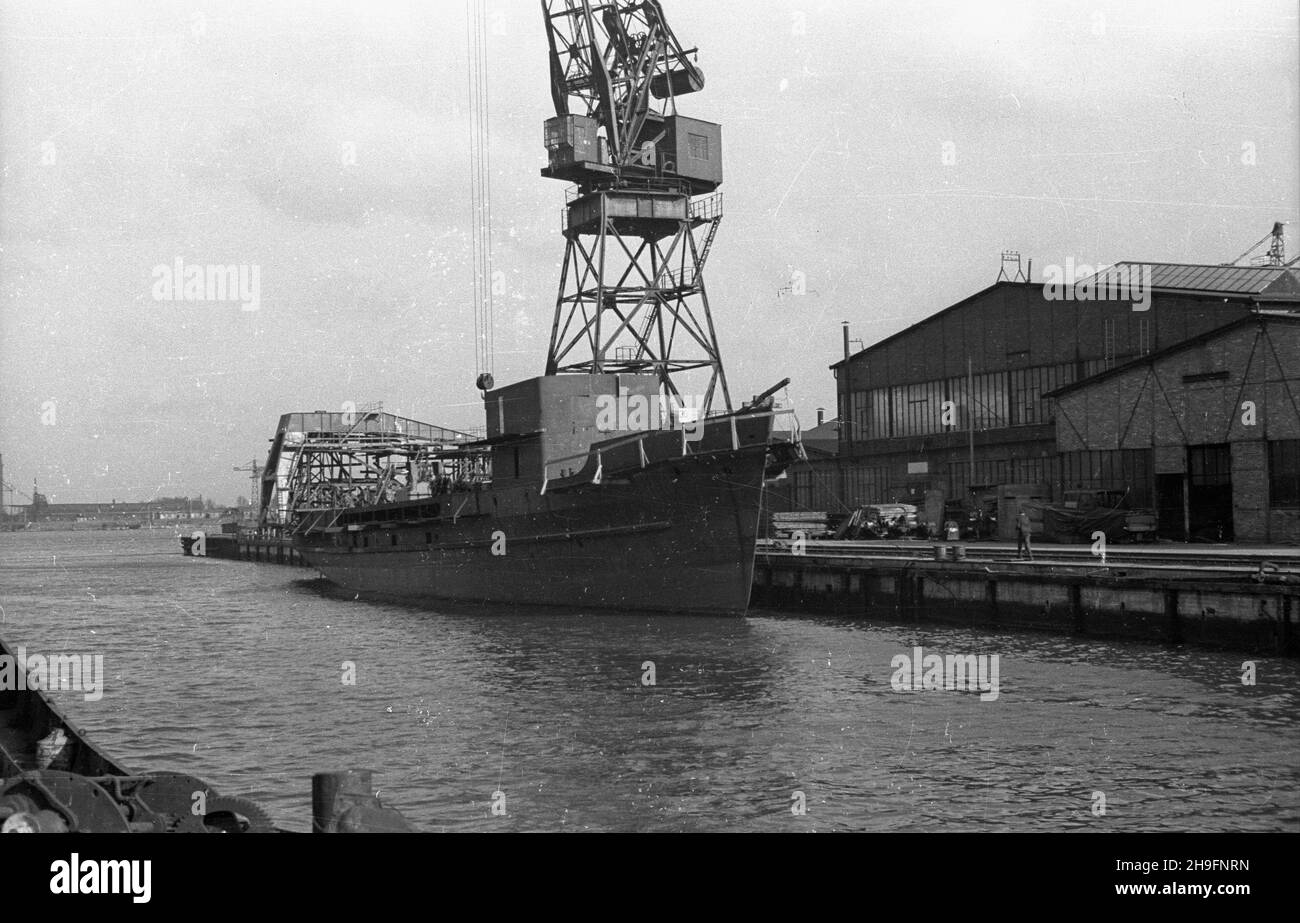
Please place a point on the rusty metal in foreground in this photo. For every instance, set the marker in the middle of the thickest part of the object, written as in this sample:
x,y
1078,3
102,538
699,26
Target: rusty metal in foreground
x,y
53,779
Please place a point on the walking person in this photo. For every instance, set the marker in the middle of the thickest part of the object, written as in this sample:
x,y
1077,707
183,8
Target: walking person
x,y
1023,528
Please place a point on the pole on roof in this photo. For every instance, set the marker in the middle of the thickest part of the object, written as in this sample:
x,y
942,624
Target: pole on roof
x,y
846,419
970,419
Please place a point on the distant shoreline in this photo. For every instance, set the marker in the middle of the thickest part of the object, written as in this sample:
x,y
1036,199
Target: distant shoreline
x,y
110,525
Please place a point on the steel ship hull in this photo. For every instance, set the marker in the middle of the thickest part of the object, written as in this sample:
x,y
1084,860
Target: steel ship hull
x,y
675,533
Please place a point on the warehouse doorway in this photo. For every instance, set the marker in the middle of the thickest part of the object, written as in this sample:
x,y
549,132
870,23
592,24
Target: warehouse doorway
x,y
1209,492
1171,506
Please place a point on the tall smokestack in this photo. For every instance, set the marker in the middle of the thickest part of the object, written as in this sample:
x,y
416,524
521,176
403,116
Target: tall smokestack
x,y
846,338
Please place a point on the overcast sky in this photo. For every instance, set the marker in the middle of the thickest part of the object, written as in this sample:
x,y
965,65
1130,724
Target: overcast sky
x,y
136,133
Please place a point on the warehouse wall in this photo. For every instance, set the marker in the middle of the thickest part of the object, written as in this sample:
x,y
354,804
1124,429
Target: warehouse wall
x,y
1241,388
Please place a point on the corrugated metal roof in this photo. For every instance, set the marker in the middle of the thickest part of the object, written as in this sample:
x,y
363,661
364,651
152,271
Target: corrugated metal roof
x,y
1264,283
1183,277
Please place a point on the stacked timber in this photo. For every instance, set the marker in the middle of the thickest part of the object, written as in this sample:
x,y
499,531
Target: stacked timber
x,y
813,525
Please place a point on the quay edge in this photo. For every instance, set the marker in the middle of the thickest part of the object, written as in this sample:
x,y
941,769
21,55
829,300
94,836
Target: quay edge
x,y
1128,602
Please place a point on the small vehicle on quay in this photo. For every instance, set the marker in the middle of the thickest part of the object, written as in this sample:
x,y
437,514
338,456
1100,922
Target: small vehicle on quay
x,y
1081,513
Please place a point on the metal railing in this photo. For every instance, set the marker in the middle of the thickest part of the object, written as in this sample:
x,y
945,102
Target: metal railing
x,y
707,208
639,439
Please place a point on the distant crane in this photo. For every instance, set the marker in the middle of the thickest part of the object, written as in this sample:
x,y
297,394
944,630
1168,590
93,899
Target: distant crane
x,y
11,508
1275,255
254,472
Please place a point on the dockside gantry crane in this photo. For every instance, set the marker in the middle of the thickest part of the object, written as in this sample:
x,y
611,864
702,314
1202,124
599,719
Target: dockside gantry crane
x,y
644,208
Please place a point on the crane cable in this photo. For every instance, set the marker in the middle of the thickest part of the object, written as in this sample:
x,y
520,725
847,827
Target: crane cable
x,y
480,187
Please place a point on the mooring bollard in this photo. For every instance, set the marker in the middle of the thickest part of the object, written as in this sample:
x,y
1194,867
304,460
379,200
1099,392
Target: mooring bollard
x,y
344,802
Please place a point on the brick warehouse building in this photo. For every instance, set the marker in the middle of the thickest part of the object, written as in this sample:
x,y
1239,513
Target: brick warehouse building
x,y
991,361
1217,420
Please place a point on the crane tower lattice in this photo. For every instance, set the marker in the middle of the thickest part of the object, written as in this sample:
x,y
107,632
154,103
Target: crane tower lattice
x,y
644,208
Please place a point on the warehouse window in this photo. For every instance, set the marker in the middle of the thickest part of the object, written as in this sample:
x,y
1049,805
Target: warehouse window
x,y
957,396
878,426
898,412
1209,465
1027,387
918,409
1197,377
989,401
1122,469
1284,474
992,400
859,417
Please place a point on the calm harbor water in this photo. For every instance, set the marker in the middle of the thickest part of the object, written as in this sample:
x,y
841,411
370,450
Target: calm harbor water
x,y
234,672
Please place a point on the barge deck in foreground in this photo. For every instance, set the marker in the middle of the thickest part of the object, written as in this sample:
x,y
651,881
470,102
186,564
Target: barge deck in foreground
x,y
53,779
